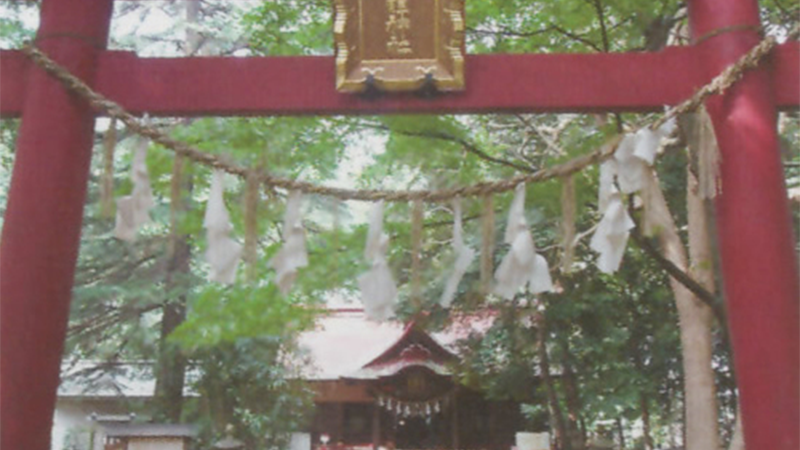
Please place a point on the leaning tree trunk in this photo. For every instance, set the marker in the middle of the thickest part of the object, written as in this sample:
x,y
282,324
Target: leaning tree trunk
x,y
695,319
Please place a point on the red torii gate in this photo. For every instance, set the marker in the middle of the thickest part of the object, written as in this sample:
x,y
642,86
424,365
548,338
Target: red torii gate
x,y
43,218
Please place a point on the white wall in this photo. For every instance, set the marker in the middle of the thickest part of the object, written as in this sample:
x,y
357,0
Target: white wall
x,y
156,444
70,415
72,420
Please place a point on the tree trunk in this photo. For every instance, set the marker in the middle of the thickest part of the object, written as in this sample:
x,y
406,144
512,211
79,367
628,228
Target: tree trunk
x,y
574,434
648,439
702,269
561,437
171,368
171,362
695,325
621,433
737,441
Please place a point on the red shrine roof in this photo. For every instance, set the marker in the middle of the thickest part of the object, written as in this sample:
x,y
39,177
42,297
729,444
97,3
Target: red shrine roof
x,y
414,348
345,344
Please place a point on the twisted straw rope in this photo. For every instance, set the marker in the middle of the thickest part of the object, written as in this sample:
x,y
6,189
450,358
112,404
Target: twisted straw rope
x,y
727,77
719,84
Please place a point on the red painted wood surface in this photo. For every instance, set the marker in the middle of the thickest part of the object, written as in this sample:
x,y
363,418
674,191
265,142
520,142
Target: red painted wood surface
x,y
496,83
42,226
43,218
756,241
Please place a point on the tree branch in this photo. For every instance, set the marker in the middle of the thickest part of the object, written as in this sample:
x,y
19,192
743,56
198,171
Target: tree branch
x,y
598,6
682,277
468,146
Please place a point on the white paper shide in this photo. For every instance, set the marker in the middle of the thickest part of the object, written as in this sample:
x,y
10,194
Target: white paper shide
x,y
463,257
133,210
631,166
292,255
522,265
378,289
223,252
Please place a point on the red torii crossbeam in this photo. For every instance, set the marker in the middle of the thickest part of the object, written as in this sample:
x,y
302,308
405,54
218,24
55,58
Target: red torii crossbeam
x,y
223,86
42,225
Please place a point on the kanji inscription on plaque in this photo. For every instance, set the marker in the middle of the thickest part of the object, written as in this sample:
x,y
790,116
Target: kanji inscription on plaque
x,y
399,45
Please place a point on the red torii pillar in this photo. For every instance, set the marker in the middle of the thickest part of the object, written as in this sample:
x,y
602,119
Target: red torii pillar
x,y
42,228
756,242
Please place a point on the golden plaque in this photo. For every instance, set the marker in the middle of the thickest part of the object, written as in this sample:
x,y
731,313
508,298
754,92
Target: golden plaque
x,y
399,45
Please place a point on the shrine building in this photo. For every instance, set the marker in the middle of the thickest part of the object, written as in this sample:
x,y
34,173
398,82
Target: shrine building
x,y
391,385
377,385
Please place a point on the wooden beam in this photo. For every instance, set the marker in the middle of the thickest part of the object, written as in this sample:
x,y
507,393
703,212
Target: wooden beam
x,y
228,86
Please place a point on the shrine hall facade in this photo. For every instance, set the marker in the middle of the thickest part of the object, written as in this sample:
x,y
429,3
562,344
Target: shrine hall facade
x,y
389,385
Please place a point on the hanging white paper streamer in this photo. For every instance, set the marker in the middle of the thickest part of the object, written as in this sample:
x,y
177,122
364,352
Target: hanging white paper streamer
x,y
636,153
708,156
378,290
631,165
464,257
292,255
133,210
521,265
669,127
222,252
608,170
611,236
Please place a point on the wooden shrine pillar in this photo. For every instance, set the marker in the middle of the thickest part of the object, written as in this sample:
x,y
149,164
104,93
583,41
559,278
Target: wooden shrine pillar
x,y
376,425
42,227
456,442
337,436
759,266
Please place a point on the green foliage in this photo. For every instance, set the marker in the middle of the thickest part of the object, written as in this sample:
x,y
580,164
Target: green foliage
x,y
14,27
226,314
246,382
293,27
563,26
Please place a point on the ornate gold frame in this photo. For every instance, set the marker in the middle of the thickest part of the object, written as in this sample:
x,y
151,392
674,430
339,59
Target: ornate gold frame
x,y
363,54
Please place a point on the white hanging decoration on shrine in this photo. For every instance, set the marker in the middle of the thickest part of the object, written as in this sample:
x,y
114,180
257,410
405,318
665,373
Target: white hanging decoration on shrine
x,y
464,257
378,289
704,143
611,236
133,210
608,170
521,265
636,153
222,252
631,165
292,255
